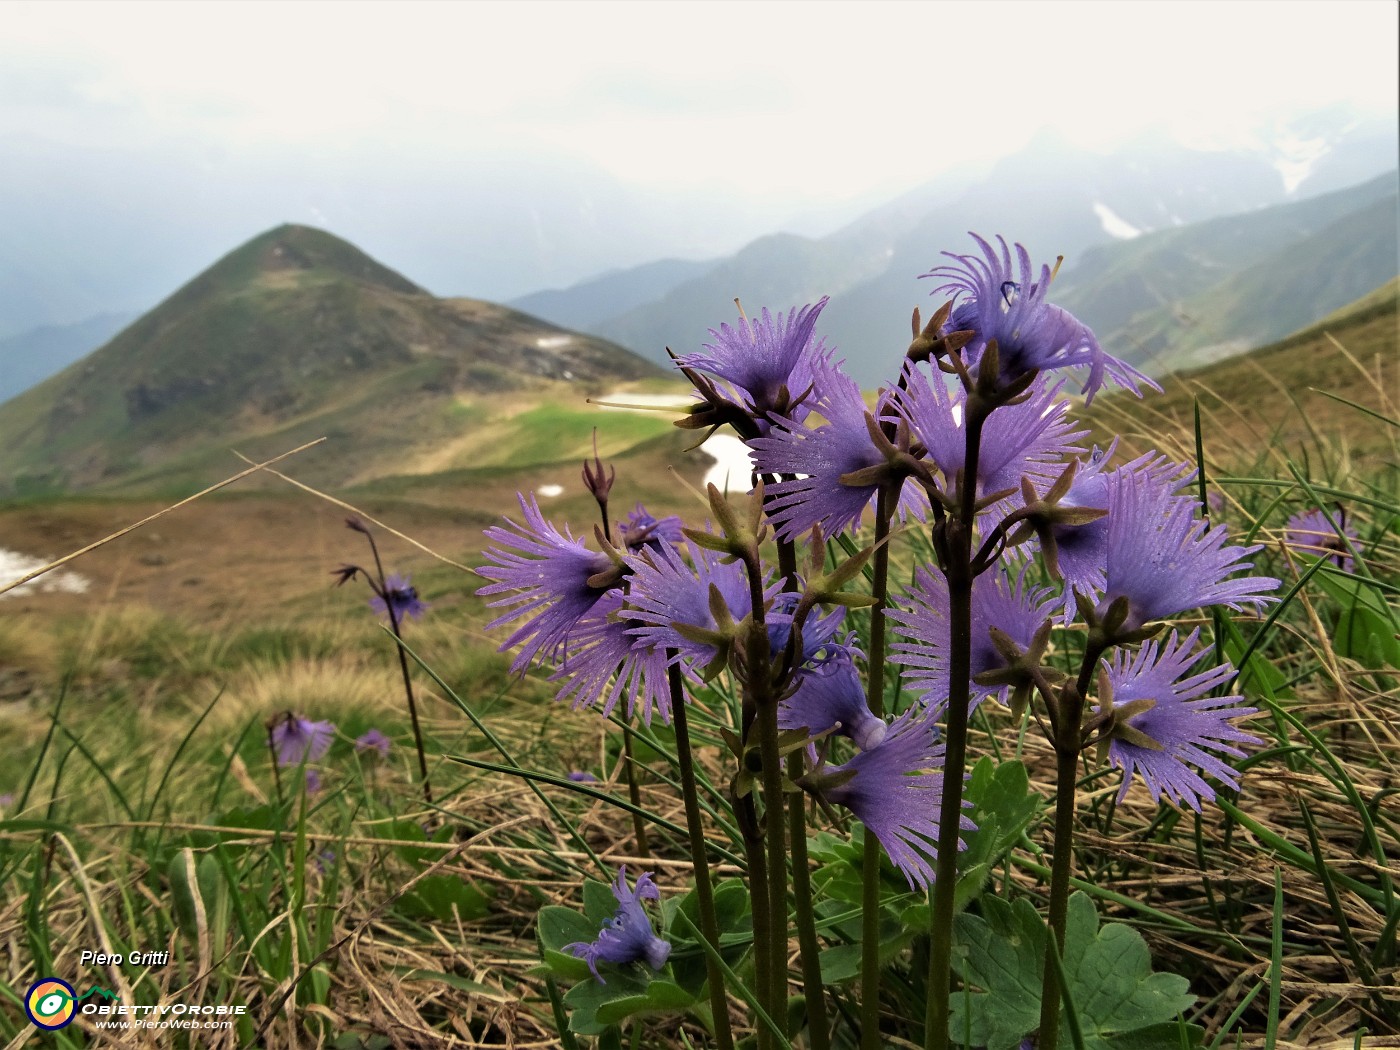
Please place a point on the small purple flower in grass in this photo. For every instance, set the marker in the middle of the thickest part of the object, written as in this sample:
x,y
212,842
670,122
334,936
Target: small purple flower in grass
x,y
313,782
627,937
6,800
1165,724
1309,532
896,790
373,740
1164,560
922,618
545,575
605,664
296,739
833,696
841,446
400,597
579,776
759,360
324,860
640,529
1008,304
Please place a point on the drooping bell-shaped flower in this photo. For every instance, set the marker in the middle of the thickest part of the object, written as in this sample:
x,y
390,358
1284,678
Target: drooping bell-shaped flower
x,y
833,697
606,664
685,607
821,457
1310,533
766,367
1161,558
896,790
1081,550
921,617
373,740
1029,439
641,529
1007,303
296,739
400,597
1163,726
628,936
545,575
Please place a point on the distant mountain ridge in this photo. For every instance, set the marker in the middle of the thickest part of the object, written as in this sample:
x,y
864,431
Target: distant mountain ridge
x,y
1054,198
30,357
1186,296
293,335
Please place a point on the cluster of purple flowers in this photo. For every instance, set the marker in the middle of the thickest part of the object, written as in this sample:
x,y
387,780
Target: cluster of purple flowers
x,y
1124,542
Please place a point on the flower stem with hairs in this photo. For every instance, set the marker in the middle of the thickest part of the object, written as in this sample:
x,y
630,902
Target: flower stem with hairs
x,y
1069,718
875,699
381,588
704,892
957,567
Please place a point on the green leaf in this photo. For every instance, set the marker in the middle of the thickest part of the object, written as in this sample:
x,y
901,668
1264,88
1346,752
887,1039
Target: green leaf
x,y
733,920
598,901
1120,1002
556,927
586,998
445,898
1004,808
661,996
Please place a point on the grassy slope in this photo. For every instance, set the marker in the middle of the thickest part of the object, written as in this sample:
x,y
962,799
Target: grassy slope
x,y
1272,396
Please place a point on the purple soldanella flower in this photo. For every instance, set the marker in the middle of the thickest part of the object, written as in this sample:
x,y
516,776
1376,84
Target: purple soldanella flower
x,y
373,740
1161,558
605,663
663,590
821,457
922,618
1008,304
1309,532
1030,439
641,529
628,936
296,739
545,575
1164,726
400,597
818,636
1082,550
833,697
768,366
896,790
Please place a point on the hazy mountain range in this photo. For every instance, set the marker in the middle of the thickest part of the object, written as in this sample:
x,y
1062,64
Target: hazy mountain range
x,y
76,247
1101,212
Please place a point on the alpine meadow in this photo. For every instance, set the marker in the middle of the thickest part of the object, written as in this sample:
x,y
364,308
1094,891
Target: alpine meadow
x,y
383,670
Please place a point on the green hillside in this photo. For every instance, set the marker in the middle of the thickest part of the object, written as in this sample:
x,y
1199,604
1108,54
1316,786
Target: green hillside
x,y
293,336
1275,398
1186,296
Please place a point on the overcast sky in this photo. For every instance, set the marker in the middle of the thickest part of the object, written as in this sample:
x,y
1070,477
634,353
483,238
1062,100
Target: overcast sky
x,y
198,124
822,100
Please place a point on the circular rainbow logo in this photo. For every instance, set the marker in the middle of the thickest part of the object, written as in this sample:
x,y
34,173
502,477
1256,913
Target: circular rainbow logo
x,y
50,1003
